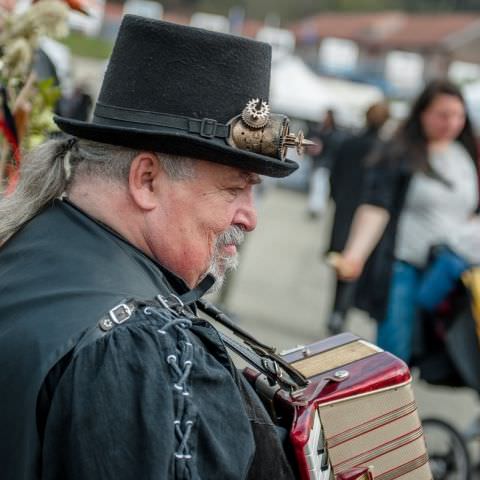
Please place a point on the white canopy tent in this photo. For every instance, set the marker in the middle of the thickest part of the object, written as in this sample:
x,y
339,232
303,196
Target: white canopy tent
x,y
299,92
471,93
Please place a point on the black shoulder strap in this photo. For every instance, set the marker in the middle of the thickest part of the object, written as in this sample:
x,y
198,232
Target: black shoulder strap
x,y
259,355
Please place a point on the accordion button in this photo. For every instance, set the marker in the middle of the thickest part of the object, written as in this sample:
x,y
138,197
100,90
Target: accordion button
x,y
341,374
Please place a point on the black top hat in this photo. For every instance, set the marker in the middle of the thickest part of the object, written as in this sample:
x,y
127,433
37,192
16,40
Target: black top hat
x,y
174,89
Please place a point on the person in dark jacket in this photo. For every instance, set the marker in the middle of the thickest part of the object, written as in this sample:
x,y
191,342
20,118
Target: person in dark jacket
x,y
112,234
421,192
327,137
346,180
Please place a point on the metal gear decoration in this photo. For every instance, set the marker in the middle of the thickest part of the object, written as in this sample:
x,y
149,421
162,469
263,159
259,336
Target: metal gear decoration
x,y
256,113
297,141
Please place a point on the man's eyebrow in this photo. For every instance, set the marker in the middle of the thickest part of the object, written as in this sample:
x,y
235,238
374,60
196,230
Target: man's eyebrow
x,y
251,178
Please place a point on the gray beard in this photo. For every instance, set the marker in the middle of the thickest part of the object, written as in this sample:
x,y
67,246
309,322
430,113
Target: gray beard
x,y
221,263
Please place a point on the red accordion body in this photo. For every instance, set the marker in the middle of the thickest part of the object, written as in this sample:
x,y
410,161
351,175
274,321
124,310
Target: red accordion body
x,y
357,419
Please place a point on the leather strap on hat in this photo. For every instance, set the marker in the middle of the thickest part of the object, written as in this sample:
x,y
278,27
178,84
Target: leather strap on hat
x,y
205,127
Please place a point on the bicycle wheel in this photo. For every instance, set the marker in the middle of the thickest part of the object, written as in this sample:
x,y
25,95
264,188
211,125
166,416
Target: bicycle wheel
x,y
449,457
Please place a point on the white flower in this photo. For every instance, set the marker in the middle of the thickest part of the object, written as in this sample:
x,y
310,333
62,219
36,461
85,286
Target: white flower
x,y
17,58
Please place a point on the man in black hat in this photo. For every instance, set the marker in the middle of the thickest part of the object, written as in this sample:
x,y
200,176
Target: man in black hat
x,y
111,236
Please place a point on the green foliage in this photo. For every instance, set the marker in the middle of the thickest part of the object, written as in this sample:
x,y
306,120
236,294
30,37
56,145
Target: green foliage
x,y
41,117
84,46
48,93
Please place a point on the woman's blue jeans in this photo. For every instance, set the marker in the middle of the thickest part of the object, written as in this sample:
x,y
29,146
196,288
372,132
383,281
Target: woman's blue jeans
x,y
395,332
440,279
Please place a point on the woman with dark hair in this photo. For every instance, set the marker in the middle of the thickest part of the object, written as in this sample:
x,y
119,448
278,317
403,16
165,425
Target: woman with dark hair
x,y
421,191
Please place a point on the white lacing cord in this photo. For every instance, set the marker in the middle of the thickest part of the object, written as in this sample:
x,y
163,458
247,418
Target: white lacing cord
x,y
181,365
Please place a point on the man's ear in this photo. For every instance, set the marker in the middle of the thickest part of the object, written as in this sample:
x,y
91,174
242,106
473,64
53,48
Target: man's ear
x,y
145,173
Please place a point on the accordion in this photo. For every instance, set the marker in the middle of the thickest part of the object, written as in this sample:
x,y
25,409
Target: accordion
x,y
356,418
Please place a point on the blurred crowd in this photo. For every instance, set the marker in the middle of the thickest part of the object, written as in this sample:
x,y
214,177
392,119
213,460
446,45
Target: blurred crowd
x,y
406,225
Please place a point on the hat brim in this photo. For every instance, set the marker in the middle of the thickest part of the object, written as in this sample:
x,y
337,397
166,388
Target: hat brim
x,y
168,141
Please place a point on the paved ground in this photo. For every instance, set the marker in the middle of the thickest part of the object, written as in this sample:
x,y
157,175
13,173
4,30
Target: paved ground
x,y
282,293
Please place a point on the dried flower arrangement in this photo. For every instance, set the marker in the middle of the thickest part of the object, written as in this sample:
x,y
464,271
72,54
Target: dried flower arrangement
x,y
26,103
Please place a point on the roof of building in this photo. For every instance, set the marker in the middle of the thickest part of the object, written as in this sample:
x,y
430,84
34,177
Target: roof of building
x,y
388,29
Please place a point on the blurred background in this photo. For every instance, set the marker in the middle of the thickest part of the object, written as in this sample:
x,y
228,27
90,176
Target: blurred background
x,y
330,54
330,57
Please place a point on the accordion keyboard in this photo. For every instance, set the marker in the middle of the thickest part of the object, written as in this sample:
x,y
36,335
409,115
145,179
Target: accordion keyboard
x,y
316,453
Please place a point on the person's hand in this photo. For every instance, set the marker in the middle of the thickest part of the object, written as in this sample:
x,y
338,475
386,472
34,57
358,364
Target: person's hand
x,y
348,267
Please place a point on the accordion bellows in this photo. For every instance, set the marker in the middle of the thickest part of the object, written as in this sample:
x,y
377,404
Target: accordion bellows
x,y
361,423
380,431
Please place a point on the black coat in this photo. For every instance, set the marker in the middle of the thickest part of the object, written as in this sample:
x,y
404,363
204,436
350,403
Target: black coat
x,y
330,140
346,181
108,409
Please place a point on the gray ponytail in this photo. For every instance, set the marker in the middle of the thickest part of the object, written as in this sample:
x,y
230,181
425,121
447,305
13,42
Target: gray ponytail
x,y
49,170
42,179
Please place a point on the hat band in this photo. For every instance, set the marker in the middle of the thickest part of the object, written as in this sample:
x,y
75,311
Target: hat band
x,y
205,127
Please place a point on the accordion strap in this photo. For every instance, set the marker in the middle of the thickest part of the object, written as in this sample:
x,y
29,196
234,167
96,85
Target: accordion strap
x,y
259,355
264,365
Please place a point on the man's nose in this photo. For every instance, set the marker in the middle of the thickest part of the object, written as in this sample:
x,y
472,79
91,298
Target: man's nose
x,y
246,215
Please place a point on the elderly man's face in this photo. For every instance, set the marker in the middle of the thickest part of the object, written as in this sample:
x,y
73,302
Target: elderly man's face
x,y
200,221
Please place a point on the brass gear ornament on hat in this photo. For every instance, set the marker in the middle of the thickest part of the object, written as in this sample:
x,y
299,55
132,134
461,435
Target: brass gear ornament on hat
x,y
256,130
256,113
176,89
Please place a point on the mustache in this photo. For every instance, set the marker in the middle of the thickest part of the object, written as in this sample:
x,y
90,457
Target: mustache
x,y
235,235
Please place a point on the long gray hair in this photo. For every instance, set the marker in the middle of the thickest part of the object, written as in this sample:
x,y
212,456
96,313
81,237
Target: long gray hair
x,y
48,171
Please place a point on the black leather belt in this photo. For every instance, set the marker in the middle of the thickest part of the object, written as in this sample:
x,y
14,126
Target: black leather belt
x,y
205,127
